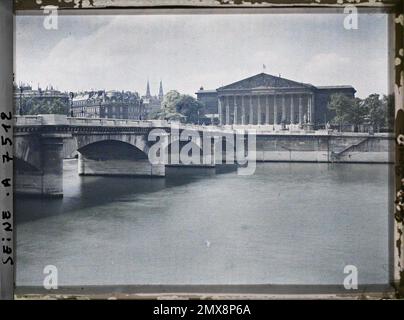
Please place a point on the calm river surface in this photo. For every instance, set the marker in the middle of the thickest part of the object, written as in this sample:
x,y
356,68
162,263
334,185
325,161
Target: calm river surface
x,y
290,223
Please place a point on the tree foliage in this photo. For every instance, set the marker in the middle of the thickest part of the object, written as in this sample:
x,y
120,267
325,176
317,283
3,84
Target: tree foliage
x,y
376,111
341,106
388,102
372,111
180,107
168,107
34,106
191,108
356,115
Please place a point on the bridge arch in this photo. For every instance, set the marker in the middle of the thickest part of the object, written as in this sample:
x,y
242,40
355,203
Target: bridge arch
x,y
137,141
112,150
116,155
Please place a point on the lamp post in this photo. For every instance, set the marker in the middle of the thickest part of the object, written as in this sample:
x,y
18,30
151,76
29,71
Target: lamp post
x,y
140,109
71,95
20,104
99,110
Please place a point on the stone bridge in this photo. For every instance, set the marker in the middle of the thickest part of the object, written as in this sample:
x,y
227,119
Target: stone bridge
x,y
108,147
152,148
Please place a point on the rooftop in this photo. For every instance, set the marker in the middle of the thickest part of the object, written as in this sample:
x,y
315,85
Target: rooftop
x,y
264,80
336,87
207,91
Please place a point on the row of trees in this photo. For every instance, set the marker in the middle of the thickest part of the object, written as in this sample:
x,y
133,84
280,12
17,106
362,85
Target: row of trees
x,y
374,111
33,106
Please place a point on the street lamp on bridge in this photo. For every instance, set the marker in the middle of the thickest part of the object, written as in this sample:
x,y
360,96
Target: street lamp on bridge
x,y
71,95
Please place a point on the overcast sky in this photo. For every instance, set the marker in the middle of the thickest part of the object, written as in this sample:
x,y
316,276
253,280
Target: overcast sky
x,y
189,51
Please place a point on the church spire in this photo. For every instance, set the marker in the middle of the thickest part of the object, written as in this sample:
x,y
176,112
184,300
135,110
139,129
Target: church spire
x,y
161,93
148,95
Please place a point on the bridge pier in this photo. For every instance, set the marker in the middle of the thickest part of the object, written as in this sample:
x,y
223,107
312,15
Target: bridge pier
x,y
118,167
47,180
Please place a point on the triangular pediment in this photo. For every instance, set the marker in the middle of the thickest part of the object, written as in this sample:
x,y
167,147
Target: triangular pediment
x,y
264,81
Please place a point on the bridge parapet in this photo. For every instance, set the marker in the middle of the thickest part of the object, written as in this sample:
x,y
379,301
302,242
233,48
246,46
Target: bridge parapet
x,y
27,121
62,120
55,119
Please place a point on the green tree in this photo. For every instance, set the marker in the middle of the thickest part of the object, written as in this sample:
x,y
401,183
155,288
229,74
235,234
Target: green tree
x,y
169,101
376,111
388,105
356,114
33,106
168,107
184,108
341,106
191,108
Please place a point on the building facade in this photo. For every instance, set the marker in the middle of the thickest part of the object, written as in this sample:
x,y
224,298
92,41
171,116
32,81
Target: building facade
x,y
265,99
152,104
108,104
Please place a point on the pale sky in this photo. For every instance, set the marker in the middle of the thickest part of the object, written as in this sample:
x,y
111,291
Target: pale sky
x,y
188,51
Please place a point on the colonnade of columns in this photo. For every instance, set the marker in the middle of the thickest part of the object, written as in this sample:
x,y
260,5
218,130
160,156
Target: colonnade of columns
x,y
265,109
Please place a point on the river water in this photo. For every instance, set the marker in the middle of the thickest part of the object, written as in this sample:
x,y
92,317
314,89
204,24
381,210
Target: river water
x,y
289,223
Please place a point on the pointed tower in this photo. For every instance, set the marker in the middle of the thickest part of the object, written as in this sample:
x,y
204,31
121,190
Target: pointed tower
x,y
148,95
161,93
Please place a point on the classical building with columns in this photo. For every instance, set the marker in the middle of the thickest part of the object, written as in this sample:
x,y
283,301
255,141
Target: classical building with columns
x,y
265,99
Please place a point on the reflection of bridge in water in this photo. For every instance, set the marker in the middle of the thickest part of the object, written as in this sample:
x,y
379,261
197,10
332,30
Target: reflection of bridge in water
x,y
123,147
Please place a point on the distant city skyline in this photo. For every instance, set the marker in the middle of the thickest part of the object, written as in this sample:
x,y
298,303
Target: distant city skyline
x,y
186,52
